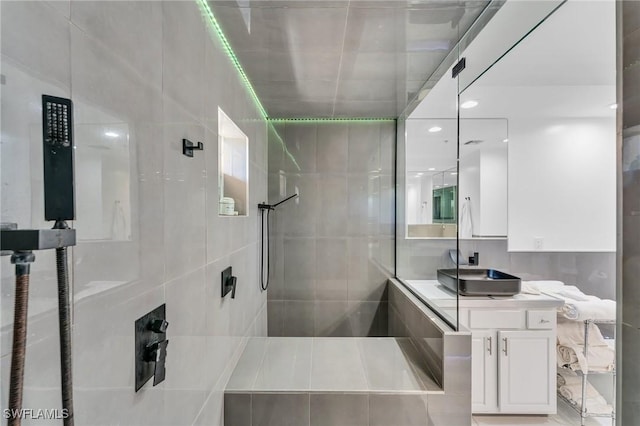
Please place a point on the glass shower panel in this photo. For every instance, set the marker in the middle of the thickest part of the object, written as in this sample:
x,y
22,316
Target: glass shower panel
x,y
472,185
427,171
514,21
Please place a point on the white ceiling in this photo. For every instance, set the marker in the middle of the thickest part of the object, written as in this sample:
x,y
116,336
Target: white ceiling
x,y
342,58
438,150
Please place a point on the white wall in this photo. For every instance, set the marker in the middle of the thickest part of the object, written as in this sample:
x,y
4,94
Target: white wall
x,y
483,178
470,181
420,199
494,192
562,184
155,69
414,193
426,210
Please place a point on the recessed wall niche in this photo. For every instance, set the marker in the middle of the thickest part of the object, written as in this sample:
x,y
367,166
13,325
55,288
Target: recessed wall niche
x,y
233,166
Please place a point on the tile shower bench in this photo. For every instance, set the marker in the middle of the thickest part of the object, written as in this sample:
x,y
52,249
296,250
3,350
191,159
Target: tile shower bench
x,y
298,381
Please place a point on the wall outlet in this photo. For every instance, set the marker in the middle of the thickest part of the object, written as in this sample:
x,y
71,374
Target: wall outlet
x,y
538,243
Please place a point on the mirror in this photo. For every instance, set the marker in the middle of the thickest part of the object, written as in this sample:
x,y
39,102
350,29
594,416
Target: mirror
x,y
562,131
102,167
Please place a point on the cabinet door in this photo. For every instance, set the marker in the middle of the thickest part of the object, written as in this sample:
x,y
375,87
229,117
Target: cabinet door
x,y
484,367
527,372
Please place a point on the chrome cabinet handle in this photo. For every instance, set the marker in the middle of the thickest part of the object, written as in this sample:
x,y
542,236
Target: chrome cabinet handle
x,y
489,347
504,339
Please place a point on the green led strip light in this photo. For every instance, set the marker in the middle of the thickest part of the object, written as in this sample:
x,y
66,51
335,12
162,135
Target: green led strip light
x,y
330,120
206,10
217,30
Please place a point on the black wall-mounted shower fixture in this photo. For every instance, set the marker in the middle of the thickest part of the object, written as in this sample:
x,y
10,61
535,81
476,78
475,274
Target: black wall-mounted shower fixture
x,y
188,147
229,283
265,206
59,206
57,145
264,280
151,346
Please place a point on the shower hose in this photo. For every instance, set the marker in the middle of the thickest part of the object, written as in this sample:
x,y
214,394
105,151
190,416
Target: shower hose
x,y
64,324
23,260
264,283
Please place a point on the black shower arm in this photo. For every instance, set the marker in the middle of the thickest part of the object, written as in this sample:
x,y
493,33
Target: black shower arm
x,y
263,206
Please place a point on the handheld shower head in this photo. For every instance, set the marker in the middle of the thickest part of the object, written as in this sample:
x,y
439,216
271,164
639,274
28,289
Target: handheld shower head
x,y
264,280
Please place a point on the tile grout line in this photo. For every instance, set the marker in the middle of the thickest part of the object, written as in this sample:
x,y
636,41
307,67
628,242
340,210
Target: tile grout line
x,y
344,36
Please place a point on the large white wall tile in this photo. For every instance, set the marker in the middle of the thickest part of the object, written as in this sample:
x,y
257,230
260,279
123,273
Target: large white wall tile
x,y
183,55
35,36
184,193
171,89
131,30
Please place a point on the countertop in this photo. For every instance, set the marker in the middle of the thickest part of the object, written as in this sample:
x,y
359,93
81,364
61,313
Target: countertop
x,y
433,293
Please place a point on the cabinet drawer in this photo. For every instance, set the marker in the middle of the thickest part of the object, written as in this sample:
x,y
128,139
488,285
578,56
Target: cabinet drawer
x,y
541,320
496,319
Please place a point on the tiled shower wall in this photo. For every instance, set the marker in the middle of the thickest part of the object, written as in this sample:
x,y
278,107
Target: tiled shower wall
x,y
332,248
629,292
143,75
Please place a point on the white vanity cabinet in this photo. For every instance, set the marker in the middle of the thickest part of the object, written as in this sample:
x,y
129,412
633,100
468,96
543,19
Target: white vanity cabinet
x,y
513,347
513,359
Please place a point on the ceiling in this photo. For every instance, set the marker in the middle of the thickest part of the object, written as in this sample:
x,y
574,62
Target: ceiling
x,y
331,59
437,151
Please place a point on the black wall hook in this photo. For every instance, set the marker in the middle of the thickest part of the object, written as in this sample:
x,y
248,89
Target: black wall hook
x,y
188,147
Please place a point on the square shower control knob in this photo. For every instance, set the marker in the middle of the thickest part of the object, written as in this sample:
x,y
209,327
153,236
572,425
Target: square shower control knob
x,y
159,326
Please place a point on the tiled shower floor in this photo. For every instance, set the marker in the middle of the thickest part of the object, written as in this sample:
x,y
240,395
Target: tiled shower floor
x,y
331,364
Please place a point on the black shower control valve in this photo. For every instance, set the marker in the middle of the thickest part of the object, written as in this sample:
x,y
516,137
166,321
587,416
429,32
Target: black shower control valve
x,y
159,326
151,347
229,283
